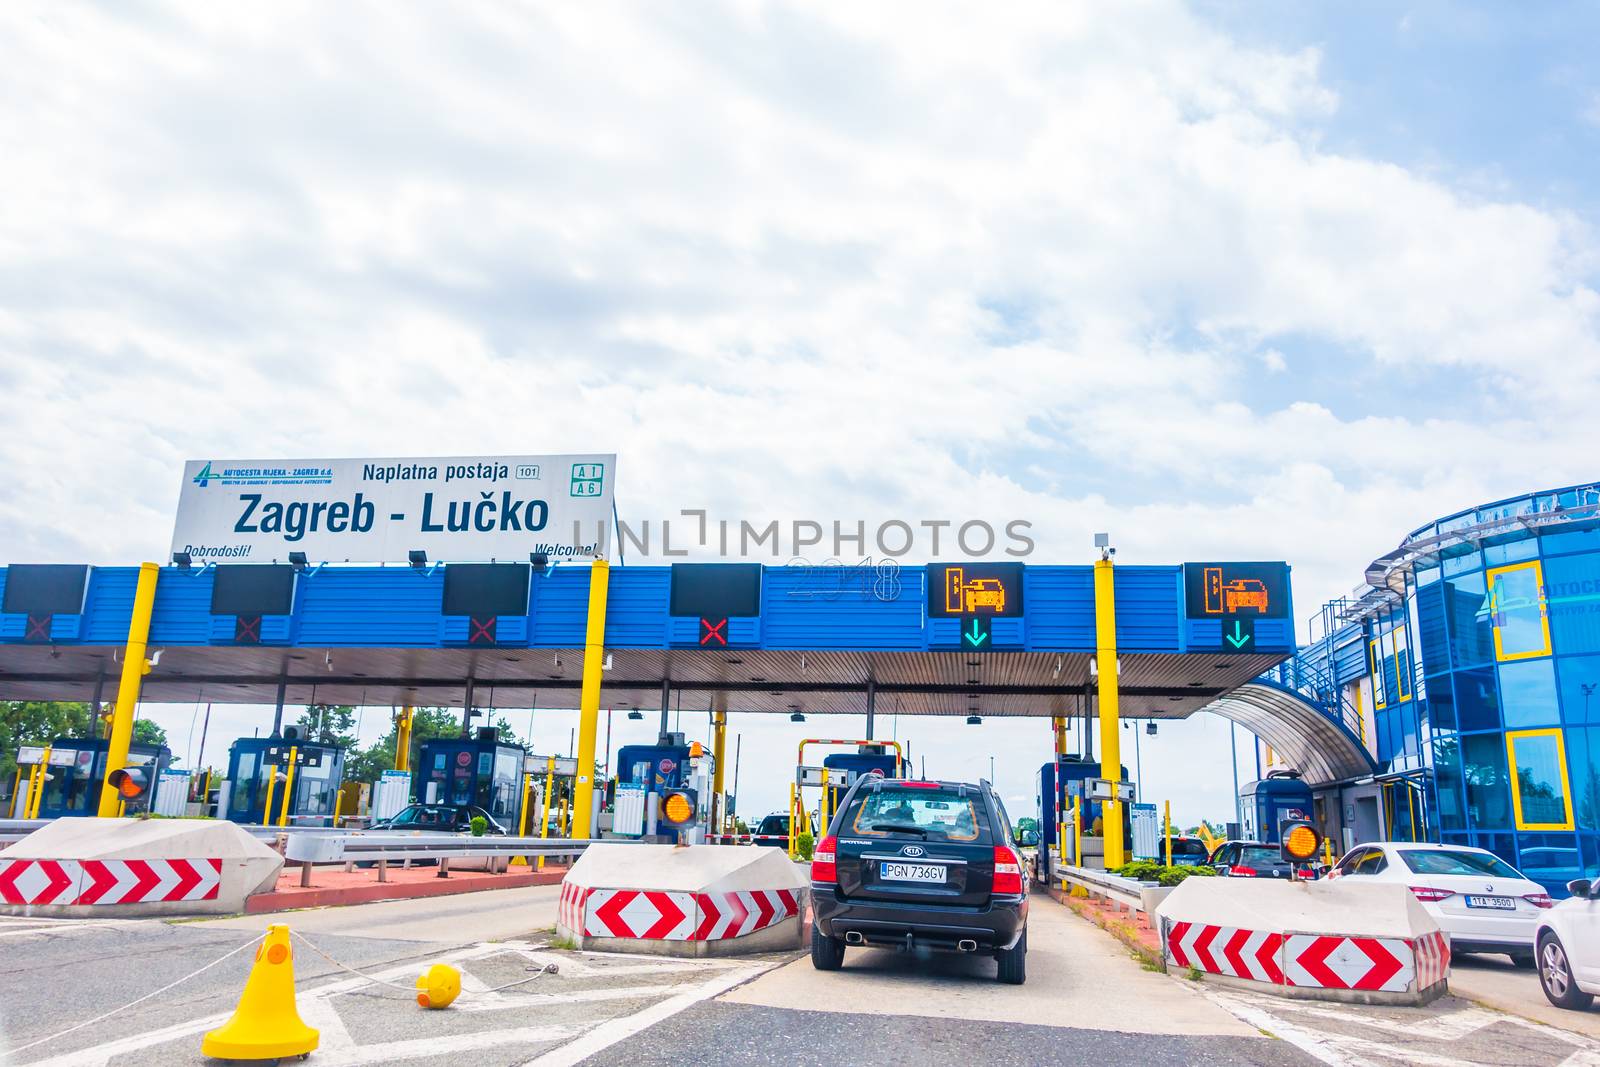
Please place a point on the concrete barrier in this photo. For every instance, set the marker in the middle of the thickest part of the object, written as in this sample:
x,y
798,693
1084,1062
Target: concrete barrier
x,y
701,900
1360,942
130,868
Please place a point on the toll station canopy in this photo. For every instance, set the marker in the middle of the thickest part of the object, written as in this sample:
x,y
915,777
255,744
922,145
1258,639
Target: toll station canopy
x,y
945,639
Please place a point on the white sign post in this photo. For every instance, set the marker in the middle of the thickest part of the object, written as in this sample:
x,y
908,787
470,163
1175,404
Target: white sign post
x,y
461,509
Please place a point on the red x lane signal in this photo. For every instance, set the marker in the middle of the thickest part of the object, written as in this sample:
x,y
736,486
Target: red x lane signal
x,y
714,633
247,629
38,628
482,630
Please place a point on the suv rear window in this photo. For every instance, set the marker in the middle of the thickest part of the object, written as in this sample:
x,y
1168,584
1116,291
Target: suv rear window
x,y
942,814
774,824
1259,856
1190,846
1452,861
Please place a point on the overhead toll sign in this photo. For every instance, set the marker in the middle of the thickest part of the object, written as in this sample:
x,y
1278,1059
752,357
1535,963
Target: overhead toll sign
x,y
1224,601
716,590
468,509
962,590
252,591
1236,590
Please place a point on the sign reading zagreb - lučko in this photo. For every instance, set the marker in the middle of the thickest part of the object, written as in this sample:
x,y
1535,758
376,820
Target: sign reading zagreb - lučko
x,y
466,509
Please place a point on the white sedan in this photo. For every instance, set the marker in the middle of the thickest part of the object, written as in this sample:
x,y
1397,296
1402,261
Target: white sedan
x,y
1479,899
1569,948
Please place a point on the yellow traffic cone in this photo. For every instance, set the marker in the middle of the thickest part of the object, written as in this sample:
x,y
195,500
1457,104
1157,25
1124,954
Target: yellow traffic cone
x,y
265,1025
438,986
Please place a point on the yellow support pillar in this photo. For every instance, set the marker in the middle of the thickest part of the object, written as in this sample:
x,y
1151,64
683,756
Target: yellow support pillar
x,y
1166,821
1077,831
288,787
719,749
134,668
544,817
794,820
589,702
1105,634
522,820
272,785
402,738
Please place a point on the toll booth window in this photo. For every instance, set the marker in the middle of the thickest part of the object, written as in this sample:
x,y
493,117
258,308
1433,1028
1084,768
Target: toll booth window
x,y
935,814
438,761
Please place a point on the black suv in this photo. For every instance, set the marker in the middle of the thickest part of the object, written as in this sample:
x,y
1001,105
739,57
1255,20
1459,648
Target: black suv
x,y
1249,859
911,863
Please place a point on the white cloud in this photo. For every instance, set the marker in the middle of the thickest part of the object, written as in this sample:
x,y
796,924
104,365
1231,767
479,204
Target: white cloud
x,y
851,261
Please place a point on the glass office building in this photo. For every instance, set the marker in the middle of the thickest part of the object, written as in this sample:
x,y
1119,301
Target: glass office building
x,y
1479,687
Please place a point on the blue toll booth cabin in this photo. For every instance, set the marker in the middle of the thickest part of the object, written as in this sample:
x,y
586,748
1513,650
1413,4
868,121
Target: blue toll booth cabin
x,y
1059,782
74,789
845,767
318,773
656,767
478,771
1267,802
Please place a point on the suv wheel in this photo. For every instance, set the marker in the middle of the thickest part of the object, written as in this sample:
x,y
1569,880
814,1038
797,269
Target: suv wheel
x,y
1014,961
1555,975
827,953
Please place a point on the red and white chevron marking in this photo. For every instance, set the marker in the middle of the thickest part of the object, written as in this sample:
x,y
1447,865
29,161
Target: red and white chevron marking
x,y
1251,954
570,910
673,916
1433,958
1318,961
85,882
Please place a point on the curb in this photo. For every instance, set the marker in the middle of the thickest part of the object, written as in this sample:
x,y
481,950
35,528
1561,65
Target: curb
x,y
265,903
1152,958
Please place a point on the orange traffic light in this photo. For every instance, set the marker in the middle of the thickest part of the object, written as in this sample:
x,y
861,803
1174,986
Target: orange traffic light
x,y
129,782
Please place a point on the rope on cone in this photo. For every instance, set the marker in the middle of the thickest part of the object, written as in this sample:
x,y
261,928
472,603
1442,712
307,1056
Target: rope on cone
x,y
99,1018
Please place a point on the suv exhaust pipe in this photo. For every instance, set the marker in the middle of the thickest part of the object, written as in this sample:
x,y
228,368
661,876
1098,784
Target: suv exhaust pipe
x,y
966,946
854,937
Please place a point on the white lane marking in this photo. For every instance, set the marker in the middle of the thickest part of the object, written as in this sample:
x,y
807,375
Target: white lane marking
x,y
1451,1026
612,1031
101,1055
395,1051
320,1014
58,928
1317,1046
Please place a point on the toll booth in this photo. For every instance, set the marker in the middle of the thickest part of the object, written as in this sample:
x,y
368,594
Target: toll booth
x,y
77,773
1267,802
1060,781
646,773
845,767
478,771
313,792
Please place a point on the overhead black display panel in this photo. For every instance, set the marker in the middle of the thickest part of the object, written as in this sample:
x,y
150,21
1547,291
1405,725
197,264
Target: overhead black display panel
x,y
965,589
252,589
45,588
1250,590
486,590
716,590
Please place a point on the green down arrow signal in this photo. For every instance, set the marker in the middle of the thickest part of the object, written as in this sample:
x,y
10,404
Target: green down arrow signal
x,y
1238,639
977,635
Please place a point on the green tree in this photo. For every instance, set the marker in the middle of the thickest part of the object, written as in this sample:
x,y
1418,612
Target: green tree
x,y
1027,822
37,722
146,732
329,724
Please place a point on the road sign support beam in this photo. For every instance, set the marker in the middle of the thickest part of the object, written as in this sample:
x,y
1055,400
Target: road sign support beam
x,y
1105,641
134,668
589,702
719,749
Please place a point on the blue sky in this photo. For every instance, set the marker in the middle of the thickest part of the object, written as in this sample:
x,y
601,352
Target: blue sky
x,y
1270,281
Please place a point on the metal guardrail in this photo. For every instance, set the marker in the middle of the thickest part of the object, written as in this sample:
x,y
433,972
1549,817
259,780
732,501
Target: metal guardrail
x,y
1125,891
14,830
382,849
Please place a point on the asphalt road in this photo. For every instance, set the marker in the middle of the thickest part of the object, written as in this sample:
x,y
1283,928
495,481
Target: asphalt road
x,y
1085,1001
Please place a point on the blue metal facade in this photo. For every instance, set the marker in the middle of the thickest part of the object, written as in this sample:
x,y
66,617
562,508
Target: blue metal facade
x,y
846,609
1480,670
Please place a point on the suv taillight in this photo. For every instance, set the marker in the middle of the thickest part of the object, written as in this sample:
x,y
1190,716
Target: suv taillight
x,y
1540,900
1242,872
824,861
1430,894
1007,871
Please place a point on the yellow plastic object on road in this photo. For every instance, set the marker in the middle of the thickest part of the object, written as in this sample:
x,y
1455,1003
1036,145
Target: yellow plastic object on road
x,y
438,986
266,1025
